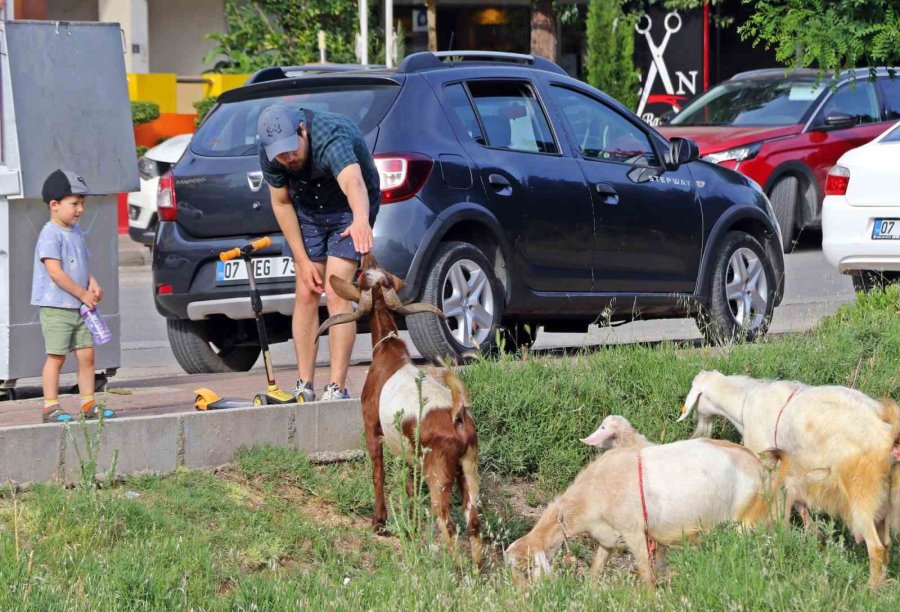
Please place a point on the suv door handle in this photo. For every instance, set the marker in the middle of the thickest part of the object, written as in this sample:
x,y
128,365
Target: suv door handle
x,y
608,193
500,184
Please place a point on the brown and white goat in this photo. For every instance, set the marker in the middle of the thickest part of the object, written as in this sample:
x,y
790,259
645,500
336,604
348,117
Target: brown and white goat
x,y
835,442
390,397
689,486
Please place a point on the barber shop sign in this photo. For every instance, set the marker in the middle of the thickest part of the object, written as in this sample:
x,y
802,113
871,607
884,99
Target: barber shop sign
x,y
671,51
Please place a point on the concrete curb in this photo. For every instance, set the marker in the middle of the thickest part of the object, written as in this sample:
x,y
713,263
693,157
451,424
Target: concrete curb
x,y
161,444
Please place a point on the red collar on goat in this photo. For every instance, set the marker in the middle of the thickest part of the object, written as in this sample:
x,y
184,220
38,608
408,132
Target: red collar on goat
x,y
778,420
651,543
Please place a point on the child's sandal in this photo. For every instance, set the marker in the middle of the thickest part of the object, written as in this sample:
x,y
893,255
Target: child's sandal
x,y
93,410
57,415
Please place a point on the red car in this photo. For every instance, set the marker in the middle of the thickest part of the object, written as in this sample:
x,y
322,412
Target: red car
x,y
786,131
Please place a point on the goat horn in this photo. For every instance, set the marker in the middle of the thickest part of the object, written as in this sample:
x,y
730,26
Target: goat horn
x,y
393,302
365,305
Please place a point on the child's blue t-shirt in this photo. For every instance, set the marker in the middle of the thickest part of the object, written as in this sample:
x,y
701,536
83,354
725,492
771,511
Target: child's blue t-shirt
x,y
67,245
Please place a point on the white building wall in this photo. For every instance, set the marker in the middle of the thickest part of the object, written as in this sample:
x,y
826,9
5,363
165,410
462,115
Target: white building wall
x,y
177,34
132,16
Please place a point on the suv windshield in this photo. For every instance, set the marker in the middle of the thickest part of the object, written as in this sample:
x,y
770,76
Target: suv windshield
x,y
230,130
752,103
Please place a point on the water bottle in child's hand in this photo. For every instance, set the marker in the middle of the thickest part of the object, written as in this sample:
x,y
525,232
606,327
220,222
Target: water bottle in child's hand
x,y
95,323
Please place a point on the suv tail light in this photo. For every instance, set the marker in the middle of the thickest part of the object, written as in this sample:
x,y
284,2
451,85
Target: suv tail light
x,y
402,174
837,181
165,198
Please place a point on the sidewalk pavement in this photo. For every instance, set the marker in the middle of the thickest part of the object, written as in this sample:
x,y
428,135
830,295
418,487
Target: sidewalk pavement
x,y
132,253
163,395
151,396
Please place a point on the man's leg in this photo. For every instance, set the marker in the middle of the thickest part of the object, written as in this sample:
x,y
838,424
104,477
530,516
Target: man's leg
x,y
340,337
304,326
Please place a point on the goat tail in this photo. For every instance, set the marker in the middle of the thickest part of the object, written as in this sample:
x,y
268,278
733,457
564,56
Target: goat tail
x,y
890,414
459,394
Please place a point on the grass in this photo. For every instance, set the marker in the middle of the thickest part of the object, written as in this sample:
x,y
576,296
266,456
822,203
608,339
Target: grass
x,y
278,533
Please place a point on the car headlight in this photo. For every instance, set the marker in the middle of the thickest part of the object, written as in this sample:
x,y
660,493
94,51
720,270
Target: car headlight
x,y
147,168
736,154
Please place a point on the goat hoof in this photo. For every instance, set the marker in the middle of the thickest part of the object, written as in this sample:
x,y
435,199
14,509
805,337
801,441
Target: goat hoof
x,y
379,527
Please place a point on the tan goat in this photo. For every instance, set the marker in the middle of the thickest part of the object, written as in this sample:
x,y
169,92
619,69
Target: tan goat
x,y
688,487
835,442
616,431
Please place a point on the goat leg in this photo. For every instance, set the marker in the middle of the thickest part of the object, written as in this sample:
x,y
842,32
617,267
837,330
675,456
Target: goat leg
x,y
637,544
440,486
469,488
600,558
376,453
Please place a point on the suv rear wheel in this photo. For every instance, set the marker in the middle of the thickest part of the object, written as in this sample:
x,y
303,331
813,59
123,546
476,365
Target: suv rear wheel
x,y
197,355
741,291
462,284
785,195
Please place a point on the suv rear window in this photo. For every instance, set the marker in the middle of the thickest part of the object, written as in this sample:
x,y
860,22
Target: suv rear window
x,y
230,131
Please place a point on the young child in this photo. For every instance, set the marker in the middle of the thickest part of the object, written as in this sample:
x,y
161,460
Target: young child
x,y
62,283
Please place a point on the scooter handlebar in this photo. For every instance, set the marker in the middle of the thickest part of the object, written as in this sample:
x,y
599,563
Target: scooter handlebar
x,y
245,250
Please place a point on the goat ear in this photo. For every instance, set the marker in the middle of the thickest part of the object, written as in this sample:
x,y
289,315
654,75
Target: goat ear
x,y
344,288
599,437
396,283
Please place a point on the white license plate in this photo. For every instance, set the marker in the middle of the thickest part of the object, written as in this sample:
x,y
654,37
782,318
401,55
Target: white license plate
x,y
264,268
886,229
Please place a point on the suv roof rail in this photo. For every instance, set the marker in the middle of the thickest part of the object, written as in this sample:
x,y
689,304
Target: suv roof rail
x,y
432,60
275,73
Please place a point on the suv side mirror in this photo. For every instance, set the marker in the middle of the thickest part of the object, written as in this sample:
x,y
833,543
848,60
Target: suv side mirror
x,y
681,151
666,117
839,121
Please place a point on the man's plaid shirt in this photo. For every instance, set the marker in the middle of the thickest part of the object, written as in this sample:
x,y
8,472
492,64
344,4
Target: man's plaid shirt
x,y
335,143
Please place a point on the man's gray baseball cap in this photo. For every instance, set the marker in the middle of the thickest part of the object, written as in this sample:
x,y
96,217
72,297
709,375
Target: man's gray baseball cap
x,y
277,128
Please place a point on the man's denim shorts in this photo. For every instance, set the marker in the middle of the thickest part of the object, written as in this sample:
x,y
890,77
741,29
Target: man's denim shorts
x,y
321,232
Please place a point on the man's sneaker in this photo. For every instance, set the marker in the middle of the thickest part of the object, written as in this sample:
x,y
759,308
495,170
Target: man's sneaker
x,y
55,414
304,392
334,392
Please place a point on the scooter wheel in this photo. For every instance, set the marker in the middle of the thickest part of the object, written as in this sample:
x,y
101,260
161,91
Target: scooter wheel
x,y
260,400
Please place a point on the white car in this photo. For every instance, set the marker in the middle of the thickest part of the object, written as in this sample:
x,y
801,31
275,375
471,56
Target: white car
x,y
861,212
142,204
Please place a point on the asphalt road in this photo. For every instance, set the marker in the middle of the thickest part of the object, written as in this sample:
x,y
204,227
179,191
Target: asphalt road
x,y
813,290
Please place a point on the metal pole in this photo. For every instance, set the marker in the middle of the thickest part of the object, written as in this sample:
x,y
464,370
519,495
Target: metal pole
x,y
389,33
364,31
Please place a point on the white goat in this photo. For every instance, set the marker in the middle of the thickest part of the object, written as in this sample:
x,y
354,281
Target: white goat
x,y
835,443
616,431
688,486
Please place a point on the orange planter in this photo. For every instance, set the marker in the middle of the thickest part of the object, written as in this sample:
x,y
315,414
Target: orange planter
x,y
168,125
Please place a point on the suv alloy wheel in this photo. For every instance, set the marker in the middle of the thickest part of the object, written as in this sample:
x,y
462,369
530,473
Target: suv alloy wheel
x,y
462,284
741,291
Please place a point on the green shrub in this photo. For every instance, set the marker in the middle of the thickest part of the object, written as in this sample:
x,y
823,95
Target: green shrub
x,y
144,112
610,51
203,106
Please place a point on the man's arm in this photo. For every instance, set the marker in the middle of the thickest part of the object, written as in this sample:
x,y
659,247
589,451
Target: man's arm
x,y
290,227
352,184
65,282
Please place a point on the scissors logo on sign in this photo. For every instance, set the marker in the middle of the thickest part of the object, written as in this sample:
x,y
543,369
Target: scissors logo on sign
x,y
658,66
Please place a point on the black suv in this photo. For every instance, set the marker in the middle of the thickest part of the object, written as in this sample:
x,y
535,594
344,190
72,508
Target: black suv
x,y
513,197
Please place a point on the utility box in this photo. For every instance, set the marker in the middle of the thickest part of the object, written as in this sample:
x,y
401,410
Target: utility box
x,y
63,104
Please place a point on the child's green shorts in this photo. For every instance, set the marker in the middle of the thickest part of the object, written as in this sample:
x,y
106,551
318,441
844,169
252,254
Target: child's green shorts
x,y
64,330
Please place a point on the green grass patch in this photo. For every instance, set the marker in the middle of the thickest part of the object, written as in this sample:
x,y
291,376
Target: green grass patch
x,y
278,533
531,412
